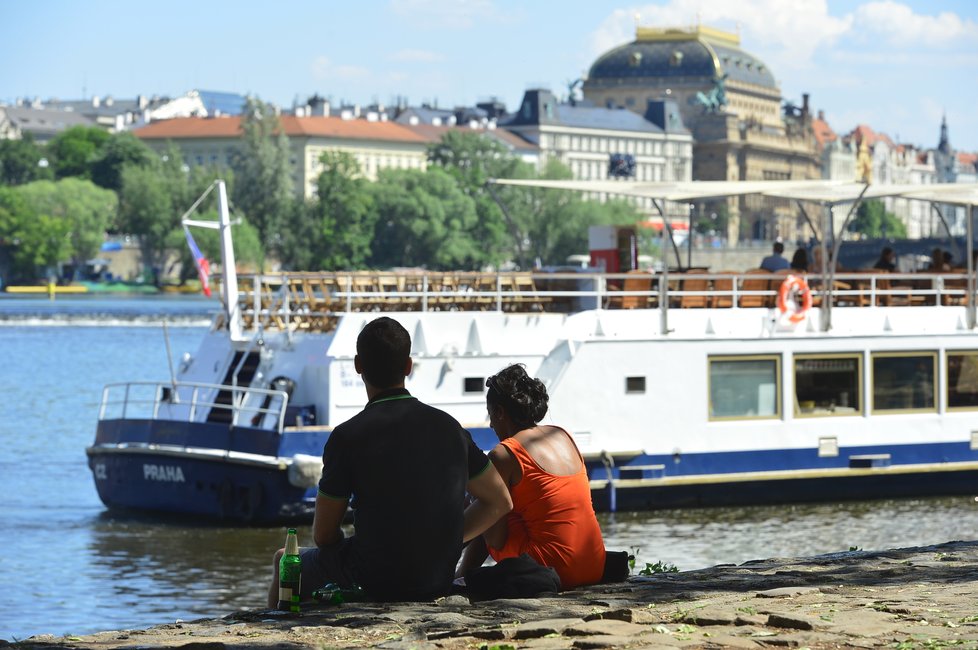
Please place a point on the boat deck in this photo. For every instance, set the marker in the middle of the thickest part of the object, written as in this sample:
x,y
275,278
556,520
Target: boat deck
x,y
314,301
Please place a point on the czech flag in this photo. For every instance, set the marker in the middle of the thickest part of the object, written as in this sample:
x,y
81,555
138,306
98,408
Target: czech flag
x,y
203,266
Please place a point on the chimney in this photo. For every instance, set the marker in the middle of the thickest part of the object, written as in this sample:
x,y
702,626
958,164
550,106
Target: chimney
x,y
821,115
804,105
96,102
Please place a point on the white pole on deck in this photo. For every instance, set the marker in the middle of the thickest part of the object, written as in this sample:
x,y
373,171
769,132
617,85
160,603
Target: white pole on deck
x,y
230,283
970,300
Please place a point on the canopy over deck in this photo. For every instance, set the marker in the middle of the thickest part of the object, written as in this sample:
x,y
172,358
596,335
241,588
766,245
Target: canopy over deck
x,y
825,192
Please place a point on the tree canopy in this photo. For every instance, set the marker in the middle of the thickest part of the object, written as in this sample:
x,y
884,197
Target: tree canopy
x,y
872,220
264,191
72,152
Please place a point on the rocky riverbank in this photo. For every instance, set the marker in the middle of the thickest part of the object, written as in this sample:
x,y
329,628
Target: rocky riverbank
x,y
922,597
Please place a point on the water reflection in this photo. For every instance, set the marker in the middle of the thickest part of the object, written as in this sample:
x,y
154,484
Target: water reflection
x,y
697,538
114,572
155,572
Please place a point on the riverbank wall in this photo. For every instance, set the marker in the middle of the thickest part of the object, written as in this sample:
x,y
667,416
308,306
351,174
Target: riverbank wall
x,y
920,597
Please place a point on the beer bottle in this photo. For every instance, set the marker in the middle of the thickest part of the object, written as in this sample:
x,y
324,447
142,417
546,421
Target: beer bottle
x,y
290,574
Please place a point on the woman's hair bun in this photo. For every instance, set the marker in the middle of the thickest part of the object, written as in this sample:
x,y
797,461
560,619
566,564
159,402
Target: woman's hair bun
x,y
524,398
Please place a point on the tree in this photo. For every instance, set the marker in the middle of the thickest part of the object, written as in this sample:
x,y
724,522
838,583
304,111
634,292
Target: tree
x,y
119,150
72,152
472,159
873,221
152,200
247,248
85,210
146,209
334,231
34,241
423,219
549,225
22,161
264,191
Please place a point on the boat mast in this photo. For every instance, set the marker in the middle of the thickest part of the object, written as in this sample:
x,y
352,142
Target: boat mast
x,y
229,286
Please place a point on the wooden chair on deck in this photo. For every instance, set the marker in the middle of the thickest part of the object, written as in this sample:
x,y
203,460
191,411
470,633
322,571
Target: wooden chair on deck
x,y
723,286
755,281
694,286
635,281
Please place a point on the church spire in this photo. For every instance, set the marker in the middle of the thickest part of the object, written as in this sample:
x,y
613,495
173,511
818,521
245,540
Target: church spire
x,y
944,146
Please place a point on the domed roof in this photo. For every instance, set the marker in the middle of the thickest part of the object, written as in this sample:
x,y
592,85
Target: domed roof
x,y
701,52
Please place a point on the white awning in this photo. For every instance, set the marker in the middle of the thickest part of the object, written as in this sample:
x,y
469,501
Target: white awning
x,y
818,191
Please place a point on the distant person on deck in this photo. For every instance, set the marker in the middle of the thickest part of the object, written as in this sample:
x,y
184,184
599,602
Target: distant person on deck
x,y
408,467
799,261
552,519
887,260
938,261
775,261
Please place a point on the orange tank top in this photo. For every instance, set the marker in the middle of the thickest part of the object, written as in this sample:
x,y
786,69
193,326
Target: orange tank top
x,y
553,521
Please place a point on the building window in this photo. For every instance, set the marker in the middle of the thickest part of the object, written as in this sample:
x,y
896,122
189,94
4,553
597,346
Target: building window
x,y
904,382
634,385
473,385
744,387
962,380
827,385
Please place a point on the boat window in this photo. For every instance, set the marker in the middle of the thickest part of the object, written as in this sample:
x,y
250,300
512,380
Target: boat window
x,y
745,387
962,380
904,382
474,384
827,385
634,384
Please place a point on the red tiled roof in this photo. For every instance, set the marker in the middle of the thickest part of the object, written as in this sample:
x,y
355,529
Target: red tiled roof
x,y
230,127
966,158
823,132
864,132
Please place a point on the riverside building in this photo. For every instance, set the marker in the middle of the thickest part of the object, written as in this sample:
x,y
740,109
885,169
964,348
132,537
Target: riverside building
x,y
732,105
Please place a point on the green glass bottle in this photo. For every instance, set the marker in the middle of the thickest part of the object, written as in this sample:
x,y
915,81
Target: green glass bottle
x,y
290,574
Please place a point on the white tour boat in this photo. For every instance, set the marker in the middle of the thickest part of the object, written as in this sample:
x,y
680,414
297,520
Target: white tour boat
x,y
681,389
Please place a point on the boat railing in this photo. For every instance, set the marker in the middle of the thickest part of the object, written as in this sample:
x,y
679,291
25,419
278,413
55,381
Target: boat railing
x,y
193,401
316,300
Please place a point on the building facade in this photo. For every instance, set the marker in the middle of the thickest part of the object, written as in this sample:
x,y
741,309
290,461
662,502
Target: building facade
x,y
732,105
216,141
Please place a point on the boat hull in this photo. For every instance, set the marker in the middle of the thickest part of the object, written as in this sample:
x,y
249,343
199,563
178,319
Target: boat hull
x,y
181,468
776,488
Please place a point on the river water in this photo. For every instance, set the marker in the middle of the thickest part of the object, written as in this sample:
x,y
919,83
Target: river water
x,y
69,567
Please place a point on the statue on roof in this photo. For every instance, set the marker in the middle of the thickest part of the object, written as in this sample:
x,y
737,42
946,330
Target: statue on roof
x,y
714,100
864,164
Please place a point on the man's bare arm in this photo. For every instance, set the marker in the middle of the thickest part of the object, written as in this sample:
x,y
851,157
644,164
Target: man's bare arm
x,y
327,520
492,501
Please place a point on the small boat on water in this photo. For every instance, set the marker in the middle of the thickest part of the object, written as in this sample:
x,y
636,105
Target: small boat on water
x,y
681,389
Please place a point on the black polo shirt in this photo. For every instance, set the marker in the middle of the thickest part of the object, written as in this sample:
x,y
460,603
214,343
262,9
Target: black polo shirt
x,y
406,465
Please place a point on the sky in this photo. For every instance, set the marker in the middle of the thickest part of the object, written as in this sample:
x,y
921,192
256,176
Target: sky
x,y
896,65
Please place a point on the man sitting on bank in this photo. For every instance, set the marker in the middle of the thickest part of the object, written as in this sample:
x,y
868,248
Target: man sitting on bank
x,y
407,466
776,261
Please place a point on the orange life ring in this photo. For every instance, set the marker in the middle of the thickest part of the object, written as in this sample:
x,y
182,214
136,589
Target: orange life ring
x,y
795,289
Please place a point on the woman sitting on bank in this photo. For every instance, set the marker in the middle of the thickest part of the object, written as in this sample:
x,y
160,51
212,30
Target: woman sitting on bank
x,y
552,518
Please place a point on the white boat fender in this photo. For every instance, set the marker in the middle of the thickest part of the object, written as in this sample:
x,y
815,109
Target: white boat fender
x,y
305,470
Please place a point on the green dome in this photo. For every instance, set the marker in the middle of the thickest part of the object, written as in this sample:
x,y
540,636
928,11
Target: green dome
x,y
674,54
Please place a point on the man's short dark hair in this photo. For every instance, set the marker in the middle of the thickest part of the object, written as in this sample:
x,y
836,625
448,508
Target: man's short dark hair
x,y
778,247
383,347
